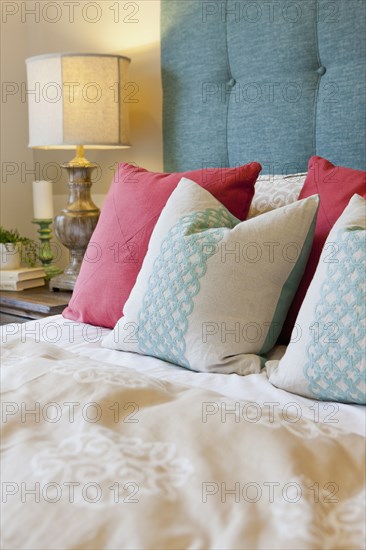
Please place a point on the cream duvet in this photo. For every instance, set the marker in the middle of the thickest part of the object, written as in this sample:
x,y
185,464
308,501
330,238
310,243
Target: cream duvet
x,y
98,455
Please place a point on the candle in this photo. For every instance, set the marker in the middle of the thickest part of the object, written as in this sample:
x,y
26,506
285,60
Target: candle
x,y
42,200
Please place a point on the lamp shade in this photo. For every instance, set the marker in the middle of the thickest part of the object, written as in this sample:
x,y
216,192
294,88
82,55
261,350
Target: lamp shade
x,y
78,99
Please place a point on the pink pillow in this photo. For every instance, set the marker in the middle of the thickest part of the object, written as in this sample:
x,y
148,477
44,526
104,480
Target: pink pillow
x,y
120,240
335,185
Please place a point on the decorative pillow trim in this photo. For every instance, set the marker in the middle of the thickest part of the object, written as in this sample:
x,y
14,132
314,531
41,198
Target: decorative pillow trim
x,y
175,281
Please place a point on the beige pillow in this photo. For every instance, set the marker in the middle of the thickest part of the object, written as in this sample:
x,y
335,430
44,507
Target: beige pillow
x,y
213,292
275,191
326,356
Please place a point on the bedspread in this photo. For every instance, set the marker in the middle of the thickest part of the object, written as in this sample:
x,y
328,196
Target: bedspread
x,y
100,456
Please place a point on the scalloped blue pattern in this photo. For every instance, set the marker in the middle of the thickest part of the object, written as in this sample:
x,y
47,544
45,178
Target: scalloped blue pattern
x,y
175,281
335,368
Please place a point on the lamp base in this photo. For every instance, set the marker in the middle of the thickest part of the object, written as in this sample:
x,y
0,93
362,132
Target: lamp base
x,y
62,282
76,223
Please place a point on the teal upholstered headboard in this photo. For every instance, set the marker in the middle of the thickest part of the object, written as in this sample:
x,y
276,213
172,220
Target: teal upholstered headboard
x,y
275,81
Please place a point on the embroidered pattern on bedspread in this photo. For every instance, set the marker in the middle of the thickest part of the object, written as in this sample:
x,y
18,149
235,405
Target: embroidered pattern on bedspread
x,y
165,479
103,457
115,376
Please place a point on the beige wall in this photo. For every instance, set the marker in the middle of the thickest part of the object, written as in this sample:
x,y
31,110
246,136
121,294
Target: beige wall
x,y
16,158
126,27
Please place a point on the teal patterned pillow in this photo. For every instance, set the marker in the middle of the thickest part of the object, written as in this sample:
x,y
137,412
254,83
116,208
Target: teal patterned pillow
x,y
213,292
326,358
175,281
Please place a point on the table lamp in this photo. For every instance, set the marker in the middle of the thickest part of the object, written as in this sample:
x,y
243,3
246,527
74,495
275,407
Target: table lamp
x,y
77,101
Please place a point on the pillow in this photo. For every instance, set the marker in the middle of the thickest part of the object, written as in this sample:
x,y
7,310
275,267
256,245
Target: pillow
x,y
120,240
213,291
274,191
327,360
335,186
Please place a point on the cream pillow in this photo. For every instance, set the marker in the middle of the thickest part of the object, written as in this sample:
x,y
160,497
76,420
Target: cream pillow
x,y
275,191
212,292
326,358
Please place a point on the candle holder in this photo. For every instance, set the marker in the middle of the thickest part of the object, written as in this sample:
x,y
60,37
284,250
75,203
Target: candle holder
x,y
45,251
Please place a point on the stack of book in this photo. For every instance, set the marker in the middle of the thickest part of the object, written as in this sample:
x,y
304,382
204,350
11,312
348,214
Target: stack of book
x,y
20,279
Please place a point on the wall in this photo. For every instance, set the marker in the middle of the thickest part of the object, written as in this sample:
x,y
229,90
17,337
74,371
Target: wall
x,y
16,158
30,28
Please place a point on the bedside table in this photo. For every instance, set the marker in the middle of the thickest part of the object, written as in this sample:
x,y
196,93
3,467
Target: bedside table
x,y
33,303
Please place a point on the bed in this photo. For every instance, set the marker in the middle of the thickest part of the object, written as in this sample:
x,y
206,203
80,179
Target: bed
x,y
103,448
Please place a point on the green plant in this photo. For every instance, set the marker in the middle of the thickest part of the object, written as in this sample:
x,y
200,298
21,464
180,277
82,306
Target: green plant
x,y
12,236
28,247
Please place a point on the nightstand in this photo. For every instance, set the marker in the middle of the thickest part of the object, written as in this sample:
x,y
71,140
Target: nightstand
x,y
33,303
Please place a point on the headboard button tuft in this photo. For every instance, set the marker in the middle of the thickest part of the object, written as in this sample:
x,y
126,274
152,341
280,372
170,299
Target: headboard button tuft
x,y
231,82
321,70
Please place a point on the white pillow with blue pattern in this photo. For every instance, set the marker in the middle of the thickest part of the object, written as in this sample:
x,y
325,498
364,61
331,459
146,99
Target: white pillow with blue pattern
x,y
213,292
326,358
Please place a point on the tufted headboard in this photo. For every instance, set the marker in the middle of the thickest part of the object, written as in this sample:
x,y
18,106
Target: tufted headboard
x,y
275,81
